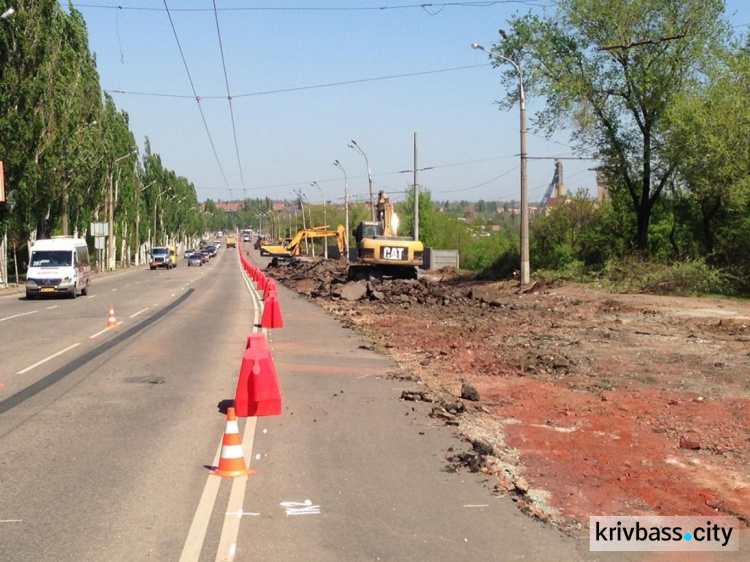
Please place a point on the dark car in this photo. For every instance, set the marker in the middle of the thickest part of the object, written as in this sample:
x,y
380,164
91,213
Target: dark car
x,y
205,254
196,258
212,250
189,252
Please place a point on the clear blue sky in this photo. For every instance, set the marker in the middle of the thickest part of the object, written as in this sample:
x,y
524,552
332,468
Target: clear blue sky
x,y
305,80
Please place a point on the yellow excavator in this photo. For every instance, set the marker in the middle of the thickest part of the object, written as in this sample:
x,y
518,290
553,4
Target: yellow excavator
x,y
381,252
293,247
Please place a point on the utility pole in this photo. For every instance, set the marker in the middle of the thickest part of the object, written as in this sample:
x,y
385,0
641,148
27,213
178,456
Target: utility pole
x,y
346,208
416,190
325,219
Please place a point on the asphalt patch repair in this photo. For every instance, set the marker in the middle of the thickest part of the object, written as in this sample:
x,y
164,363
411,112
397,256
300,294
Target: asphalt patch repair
x,y
579,402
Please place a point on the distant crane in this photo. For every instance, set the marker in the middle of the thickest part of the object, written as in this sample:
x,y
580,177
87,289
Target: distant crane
x,y
556,186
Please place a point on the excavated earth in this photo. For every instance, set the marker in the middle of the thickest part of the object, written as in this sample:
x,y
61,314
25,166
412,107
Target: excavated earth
x,y
578,401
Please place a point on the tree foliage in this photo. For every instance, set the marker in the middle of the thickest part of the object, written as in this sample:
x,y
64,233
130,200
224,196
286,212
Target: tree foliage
x,y
612,70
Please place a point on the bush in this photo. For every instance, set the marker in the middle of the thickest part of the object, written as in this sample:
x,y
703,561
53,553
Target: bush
x,y
692,277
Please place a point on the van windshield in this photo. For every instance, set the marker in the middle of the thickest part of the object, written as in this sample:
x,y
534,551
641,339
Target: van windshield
x,y
159,252
51,258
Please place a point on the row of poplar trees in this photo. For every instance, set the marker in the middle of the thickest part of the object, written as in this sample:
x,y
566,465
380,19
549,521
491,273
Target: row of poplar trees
x,y
62,141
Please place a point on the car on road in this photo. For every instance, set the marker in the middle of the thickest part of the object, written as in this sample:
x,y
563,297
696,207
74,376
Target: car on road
x,y
212,250
189,252
246,238
205,254
196,258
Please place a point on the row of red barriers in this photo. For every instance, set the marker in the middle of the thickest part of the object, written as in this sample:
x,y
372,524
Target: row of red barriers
x,y
258,392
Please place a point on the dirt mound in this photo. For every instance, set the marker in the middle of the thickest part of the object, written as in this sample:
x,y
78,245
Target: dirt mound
x,y
594,403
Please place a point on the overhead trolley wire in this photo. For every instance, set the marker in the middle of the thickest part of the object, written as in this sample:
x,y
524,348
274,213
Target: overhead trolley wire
x,y
197,99
229,99
313,87
424,6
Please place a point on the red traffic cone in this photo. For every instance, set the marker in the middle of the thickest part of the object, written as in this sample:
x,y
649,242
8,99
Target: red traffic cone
x,y
111,320
232,461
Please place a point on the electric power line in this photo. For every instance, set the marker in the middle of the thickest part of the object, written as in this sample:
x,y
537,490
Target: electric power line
x,y
229,99
439,6
299,88
197,97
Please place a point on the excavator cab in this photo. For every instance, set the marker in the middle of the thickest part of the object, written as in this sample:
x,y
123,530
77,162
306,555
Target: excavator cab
x,y
380,252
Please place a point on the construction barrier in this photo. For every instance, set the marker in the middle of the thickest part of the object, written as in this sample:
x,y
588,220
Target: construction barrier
x,y
258,392
272,313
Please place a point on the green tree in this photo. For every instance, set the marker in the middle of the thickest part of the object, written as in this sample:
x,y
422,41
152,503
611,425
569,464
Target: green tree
x,y
710,143
612,70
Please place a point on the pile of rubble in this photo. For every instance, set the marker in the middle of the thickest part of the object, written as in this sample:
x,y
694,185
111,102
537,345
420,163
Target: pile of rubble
x,y
327,280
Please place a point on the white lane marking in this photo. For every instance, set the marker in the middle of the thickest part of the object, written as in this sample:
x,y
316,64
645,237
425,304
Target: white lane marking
x,y
18,315
173,294
91,297
240,513
11,520
139,312
103,331
197,534
300,508
231,529
113,290
478,505
50,307
27,369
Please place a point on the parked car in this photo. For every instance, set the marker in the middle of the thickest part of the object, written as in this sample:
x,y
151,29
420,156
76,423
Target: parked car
x,y
196,258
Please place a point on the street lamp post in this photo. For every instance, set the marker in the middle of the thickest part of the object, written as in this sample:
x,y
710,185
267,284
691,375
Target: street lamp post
x,y
346,208
111,262
66,179
356,147
524,179
156,202
325,219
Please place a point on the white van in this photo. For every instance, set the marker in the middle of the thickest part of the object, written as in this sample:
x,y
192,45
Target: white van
x,y
58,265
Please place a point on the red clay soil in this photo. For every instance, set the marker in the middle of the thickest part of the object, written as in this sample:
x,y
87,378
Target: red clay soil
x,y
593,403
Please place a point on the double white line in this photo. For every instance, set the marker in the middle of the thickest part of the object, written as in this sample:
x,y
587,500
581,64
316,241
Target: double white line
x,y
231,528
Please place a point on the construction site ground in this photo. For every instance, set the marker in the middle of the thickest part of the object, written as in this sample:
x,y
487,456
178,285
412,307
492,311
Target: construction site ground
x,y
577,401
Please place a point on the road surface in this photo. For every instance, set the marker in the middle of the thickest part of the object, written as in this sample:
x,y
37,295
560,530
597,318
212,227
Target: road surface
x,y
106,435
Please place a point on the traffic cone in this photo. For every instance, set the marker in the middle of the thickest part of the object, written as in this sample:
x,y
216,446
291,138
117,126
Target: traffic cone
x,y
232,461
111,320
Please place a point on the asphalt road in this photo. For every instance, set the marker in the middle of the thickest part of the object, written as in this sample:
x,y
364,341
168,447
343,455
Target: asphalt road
x,y
105,436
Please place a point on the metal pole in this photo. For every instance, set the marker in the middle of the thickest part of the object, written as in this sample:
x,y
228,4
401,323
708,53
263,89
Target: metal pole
x,y
525,274
356,147
416,190
346,208
325,219
524,192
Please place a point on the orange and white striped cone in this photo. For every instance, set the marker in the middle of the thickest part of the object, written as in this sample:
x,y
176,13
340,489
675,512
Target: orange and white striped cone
x,y
232,461
111,320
